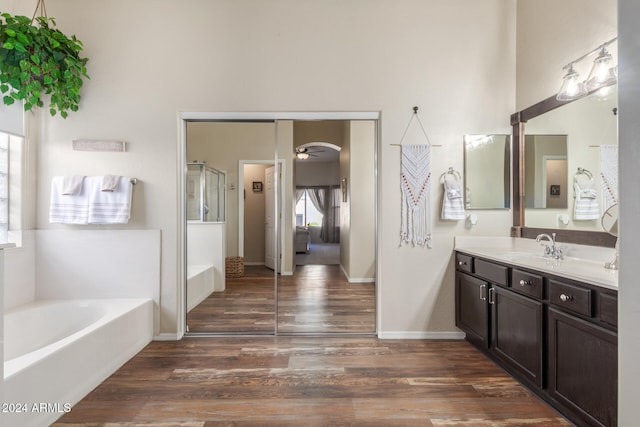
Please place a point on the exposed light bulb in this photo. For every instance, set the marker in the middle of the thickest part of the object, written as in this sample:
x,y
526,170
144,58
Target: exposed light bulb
x,y
572,87
602,74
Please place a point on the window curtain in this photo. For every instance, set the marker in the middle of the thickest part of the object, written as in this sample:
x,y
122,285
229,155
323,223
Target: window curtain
x,y
321,199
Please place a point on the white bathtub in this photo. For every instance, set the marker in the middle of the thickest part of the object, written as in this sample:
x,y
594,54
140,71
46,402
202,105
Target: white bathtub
x,y
56,352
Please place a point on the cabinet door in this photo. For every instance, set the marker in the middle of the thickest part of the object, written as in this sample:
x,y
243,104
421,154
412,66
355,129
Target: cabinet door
x,y
471,309
517,333
583,368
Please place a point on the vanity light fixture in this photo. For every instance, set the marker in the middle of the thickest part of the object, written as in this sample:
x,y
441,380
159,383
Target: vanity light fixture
x,y
602,74
572,87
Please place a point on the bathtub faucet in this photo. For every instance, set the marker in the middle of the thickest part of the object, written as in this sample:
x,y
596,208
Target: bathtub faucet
x,y
550,248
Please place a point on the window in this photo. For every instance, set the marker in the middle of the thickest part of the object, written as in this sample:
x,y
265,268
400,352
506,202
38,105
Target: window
x,y
306,212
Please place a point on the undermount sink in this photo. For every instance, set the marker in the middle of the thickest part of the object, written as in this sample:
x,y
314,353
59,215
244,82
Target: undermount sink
x,y
516,255
528,256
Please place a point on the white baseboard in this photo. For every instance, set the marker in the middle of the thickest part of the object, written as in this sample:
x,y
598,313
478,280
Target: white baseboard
x,y
426,335
168,336
362,280
357,279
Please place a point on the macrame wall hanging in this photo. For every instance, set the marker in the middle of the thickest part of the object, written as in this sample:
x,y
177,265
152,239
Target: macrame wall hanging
x,y
415,184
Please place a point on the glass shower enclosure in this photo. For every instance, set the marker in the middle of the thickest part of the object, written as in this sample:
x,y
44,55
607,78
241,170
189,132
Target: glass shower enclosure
x,y
205,193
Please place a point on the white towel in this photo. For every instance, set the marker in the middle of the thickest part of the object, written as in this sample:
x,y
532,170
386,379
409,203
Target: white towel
x,y
109,207
72,184
110,183
452,206
586,203
609,175
68,208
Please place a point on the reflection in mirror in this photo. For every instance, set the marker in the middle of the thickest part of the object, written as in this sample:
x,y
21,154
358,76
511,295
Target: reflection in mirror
x,y
268,267
588,127
609,223
609,220
545,171
205,193
487,172
219,254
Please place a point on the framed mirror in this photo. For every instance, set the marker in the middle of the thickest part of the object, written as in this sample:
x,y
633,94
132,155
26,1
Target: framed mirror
x,y
487,171
583,131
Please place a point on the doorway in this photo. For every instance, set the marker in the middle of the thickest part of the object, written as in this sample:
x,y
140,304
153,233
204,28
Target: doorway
x,y
287,298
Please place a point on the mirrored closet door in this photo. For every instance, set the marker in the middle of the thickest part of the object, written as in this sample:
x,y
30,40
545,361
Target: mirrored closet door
x,y
290,248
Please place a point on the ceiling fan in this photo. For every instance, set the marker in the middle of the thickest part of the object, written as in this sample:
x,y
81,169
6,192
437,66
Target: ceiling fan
x,y
304,153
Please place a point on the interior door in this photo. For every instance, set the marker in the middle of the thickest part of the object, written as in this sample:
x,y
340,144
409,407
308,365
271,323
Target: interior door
x,y
269,223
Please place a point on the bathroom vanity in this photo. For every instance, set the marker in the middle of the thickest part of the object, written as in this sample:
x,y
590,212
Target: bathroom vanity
x,y
552,324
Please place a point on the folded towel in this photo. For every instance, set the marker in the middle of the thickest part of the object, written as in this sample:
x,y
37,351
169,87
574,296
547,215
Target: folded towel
x,y
109,207
586,204
72,184
68,208
588,194
452,206
110,183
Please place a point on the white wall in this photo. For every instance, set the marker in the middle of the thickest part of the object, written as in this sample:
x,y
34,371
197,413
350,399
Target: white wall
x,y
221,145
286,55
361,202
552,33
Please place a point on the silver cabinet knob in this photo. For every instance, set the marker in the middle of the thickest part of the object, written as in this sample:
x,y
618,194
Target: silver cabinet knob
x,y
525,282
462,263
565,297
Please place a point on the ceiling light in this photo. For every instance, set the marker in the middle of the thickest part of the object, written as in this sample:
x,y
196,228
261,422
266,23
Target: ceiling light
x,y
302,156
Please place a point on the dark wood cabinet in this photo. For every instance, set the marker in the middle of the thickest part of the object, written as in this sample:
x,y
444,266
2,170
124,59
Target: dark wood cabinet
x,y
472,313
517,333
583,362
555,335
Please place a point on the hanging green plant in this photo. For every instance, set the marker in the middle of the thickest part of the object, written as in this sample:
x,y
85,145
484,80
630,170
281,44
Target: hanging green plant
x,y
37,60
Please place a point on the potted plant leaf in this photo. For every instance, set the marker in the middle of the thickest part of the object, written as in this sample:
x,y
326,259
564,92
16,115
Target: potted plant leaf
x,y
36,59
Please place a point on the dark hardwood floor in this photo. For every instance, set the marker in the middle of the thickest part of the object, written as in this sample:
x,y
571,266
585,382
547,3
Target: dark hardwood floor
x,y
315,299
310,381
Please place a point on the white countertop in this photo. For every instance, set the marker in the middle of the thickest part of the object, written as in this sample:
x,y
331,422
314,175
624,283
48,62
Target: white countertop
x,y
580,262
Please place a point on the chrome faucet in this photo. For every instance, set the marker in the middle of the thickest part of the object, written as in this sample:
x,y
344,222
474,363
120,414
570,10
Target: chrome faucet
x,y
550,249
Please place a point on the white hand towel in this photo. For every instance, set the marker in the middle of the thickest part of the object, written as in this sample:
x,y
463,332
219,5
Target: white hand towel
x,y
110,183
72,184
67,209
586,204
452,206
109,207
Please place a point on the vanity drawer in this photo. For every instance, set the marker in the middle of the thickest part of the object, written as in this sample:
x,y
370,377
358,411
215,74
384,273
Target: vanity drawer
x,y
464,263
527,283
493,272
609,309
571,297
